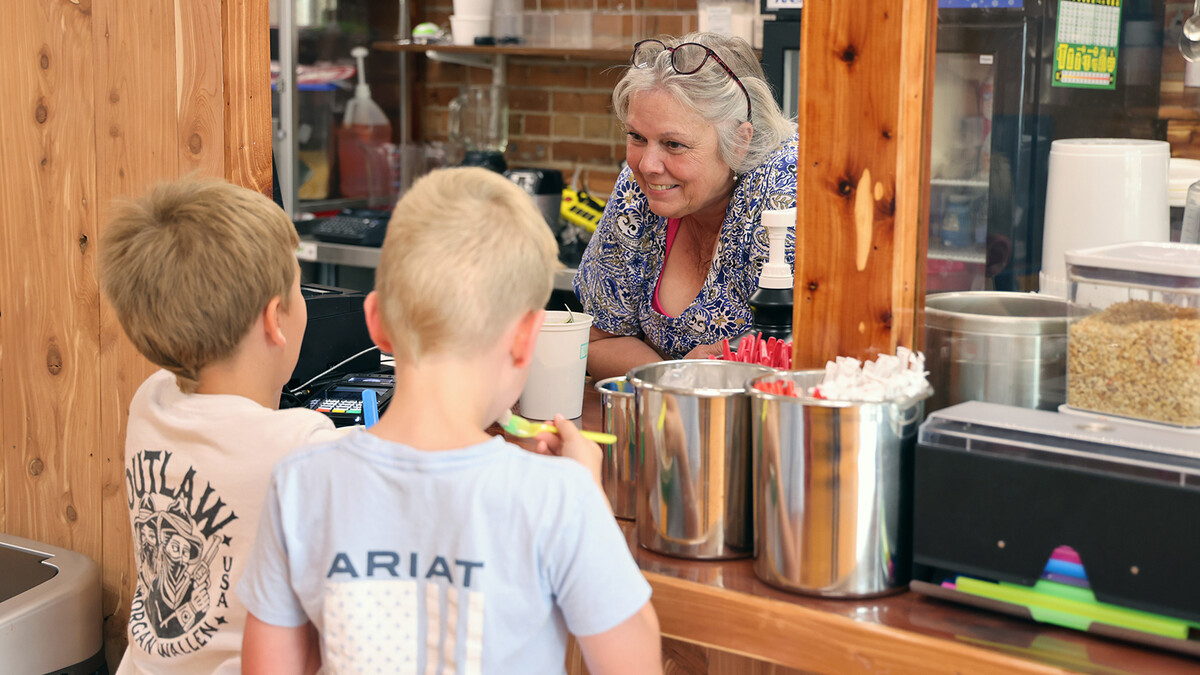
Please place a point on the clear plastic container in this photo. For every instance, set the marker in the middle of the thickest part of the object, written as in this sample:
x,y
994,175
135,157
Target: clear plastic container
x,y
1189,223
364,132
572,29
314,129
1133,342
730,17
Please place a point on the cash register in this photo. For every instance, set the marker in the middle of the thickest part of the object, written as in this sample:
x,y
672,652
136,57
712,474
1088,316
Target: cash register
x,y
337,359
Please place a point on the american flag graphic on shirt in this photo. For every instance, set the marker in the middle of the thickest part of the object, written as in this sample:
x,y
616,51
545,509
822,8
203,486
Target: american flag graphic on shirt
x,y
408,627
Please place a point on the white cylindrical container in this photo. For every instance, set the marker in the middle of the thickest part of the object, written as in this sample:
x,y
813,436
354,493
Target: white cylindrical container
x,y
1102,191
464,29
559,367
473,7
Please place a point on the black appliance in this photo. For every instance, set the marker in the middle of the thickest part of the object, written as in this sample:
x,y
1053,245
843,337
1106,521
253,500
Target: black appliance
x,y
996,112
546,188
781,51
488,159
997,489
336,340
357,227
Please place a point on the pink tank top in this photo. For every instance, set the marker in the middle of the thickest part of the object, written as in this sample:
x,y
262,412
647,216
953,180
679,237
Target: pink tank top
x,y
672,230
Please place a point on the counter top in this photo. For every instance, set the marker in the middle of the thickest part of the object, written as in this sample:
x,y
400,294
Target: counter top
x,y
723,605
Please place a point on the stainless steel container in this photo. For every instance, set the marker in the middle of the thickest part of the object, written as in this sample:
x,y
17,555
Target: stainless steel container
x,y
693,441
1008,348
832,491
618,472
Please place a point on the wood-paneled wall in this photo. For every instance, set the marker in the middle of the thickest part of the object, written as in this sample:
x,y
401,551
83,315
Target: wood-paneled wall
x,y
102,99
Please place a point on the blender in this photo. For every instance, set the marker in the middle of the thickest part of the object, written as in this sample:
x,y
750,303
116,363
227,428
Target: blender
x,y
479,121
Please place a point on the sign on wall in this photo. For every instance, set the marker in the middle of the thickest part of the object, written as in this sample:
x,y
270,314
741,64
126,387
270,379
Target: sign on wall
x,y
1085,44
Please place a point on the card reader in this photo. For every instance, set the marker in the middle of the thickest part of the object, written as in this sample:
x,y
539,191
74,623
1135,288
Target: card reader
x,y
342,400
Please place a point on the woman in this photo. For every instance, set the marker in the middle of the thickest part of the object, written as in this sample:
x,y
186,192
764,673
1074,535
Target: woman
x,y
677,254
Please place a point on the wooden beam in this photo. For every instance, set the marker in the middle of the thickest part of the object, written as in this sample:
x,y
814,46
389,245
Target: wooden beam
x,y
866,91
138,98
246,51
49,463
201,87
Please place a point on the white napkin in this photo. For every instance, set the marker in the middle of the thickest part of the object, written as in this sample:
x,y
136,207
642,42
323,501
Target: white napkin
x,y
887,378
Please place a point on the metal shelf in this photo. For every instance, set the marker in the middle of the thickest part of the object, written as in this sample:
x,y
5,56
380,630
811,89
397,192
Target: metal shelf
x,y
615,52
312,250
938,252
318,205
954,182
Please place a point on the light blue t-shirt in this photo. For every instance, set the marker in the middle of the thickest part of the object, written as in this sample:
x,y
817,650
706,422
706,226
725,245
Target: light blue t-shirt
x,y
482,558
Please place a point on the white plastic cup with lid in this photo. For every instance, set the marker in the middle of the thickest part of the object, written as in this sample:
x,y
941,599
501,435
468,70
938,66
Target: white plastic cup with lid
x,y
477,8
559,367
465,28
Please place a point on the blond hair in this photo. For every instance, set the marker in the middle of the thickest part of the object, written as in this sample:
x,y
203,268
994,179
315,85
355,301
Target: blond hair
x,y
466,253
188,267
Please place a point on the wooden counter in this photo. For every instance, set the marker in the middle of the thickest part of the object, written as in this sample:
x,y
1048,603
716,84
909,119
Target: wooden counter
x,y
722,606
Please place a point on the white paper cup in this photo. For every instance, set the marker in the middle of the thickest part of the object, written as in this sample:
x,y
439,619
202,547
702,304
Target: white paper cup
x,y
556,376
473,7
465,28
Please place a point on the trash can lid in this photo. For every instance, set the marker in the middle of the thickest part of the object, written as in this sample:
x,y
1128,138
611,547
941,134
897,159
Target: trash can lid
x,y
22,571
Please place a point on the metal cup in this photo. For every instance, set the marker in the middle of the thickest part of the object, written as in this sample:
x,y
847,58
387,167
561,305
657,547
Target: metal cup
x,y
618,472
693,438
832,490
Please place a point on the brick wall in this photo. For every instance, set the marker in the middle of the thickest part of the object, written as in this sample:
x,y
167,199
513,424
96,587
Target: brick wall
x,y
560,110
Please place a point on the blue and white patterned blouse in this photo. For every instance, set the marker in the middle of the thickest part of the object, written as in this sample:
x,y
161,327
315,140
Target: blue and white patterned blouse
x,y
620,268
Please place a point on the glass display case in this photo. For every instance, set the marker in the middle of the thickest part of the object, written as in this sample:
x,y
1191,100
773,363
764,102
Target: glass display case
x,y
999,103
980,149
313,79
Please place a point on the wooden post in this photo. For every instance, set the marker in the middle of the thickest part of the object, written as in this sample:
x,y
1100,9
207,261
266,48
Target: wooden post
x,y
106,98
862,177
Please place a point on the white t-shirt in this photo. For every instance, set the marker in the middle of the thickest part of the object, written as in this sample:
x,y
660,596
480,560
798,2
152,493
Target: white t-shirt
x,y
467,561
196,470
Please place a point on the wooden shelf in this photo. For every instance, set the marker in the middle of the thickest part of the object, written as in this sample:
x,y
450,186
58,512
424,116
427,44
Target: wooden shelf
x,y
1177,102
614,54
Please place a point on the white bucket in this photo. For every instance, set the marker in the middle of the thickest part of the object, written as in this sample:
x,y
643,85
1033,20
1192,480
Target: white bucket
x,y
465,28
1102,191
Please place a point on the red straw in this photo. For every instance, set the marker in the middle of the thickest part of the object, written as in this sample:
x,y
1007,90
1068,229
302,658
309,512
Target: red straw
x,y
771,352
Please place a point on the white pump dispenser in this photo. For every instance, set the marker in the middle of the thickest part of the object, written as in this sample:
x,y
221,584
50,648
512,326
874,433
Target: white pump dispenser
x,y
777,273
362,109
364,134
771,304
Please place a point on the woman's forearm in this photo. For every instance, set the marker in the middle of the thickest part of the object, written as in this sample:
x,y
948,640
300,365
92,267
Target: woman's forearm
x,y
613,356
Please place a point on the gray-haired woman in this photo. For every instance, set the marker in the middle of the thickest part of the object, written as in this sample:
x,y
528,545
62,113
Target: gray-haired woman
x,y
677,254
